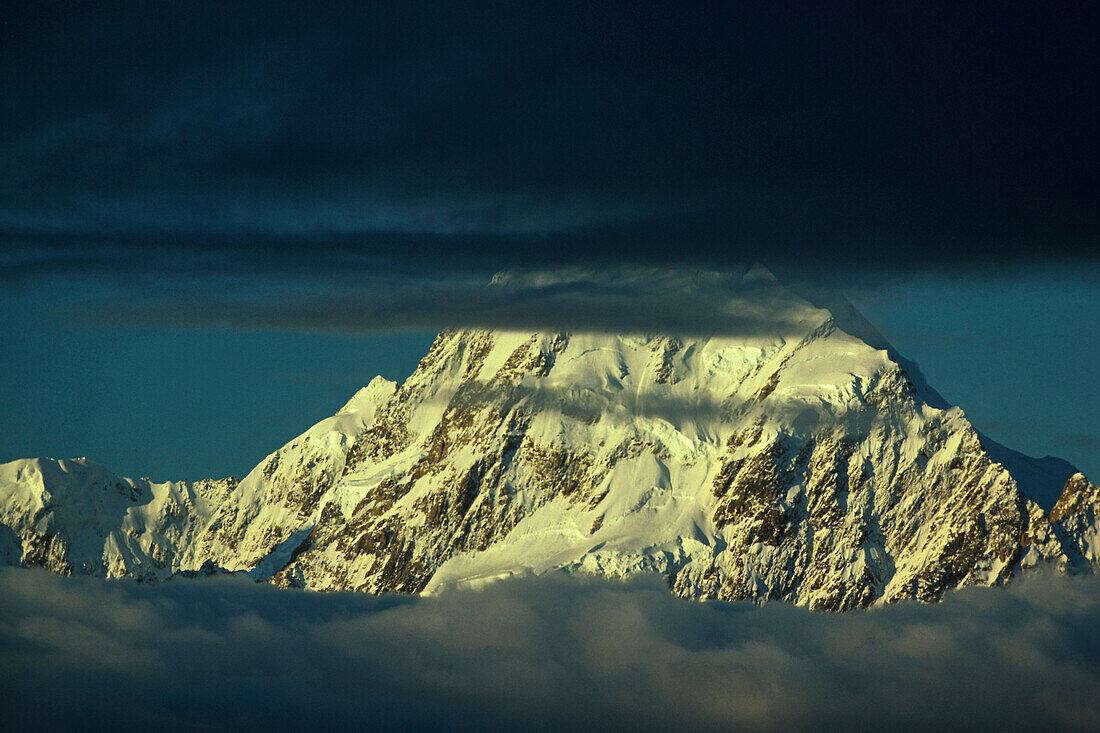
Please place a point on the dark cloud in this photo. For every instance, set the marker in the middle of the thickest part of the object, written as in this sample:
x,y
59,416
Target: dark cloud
x,y
621,301
538,654
500,134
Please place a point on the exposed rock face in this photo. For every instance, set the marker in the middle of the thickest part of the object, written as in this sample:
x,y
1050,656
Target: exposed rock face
x,y
804,466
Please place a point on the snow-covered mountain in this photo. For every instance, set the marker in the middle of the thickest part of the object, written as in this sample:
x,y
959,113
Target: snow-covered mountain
x,y
809,464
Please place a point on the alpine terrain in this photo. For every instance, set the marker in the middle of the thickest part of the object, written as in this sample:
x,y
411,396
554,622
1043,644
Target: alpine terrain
x,y
808,463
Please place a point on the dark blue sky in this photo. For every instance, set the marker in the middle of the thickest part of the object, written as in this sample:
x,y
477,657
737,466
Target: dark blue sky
x,y
171,403
187,172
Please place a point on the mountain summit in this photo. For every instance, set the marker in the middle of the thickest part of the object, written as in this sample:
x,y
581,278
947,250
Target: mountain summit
x,y
788,453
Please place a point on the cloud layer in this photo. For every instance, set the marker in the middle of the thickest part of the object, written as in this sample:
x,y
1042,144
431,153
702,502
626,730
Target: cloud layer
x,y
538,654
633,300
497,135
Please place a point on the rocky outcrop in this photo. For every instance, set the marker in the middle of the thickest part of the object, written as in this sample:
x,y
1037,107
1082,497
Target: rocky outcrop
x,y
1075,526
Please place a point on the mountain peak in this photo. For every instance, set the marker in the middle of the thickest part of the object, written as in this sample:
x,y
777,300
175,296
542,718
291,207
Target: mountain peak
x,y
766,448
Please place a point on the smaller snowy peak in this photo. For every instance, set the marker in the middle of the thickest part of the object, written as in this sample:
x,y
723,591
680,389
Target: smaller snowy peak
x,y
1076,496
63,482
367,399
76,516
1075,526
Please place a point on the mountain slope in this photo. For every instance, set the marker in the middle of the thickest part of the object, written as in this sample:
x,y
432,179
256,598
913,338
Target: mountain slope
x,y
805,465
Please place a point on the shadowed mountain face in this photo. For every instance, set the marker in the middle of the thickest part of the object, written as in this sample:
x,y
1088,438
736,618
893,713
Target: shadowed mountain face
x,y
811,465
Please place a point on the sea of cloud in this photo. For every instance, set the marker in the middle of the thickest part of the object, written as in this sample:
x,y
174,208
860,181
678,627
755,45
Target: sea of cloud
x,y
537,653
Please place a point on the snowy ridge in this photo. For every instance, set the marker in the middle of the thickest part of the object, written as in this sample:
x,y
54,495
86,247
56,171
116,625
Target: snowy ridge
x,y
805,465
74,516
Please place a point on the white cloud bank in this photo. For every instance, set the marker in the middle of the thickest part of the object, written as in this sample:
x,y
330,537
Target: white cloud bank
x,y
538,653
